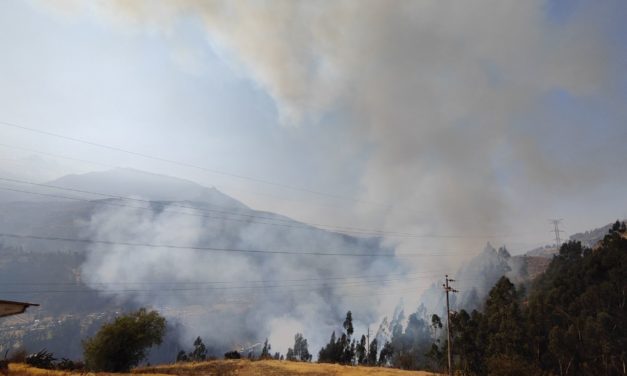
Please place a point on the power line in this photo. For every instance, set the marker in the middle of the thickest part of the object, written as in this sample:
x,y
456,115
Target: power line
x,y
159,204
288,222
155,282
231,288
249,297
213,249
144,172
184,164
109,203
294,288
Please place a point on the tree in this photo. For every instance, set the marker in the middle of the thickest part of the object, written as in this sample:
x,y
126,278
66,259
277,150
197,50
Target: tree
x,y
265,352
348,324
122,344
329,353
290,355
386,354
182,356
436,358
372,353
200,351
301,349
436,323
504,321
360,351
411,345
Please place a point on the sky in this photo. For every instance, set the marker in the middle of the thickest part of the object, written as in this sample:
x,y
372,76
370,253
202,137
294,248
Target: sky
x,y
428,117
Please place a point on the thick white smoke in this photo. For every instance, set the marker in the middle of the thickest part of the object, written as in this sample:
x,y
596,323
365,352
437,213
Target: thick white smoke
x,y
234,299
439,89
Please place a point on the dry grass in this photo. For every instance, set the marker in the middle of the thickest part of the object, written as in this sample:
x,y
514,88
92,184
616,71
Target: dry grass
x,y
18,369
231,368
271,368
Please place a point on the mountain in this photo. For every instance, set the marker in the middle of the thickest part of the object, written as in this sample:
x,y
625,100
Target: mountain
x,y
591,238
121,264
48,214
149,186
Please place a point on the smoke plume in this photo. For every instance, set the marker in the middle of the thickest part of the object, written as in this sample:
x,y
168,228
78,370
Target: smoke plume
x,y
440,92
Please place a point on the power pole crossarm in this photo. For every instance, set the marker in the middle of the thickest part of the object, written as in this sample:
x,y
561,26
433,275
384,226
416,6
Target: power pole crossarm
x,y
448,289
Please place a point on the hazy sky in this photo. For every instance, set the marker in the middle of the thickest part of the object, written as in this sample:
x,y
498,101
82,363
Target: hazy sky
x,y
434,117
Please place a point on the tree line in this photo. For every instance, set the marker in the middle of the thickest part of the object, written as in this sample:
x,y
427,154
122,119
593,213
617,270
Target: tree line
x,y
571,320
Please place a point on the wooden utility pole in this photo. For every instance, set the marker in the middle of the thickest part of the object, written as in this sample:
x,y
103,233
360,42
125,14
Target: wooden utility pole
x,y
449,289
368,341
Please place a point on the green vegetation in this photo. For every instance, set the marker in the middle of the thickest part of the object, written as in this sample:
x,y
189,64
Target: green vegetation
x,y
122,344
300,351
573,321
198,354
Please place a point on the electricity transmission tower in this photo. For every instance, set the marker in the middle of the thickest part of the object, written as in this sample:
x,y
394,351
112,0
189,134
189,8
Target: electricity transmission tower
x,y
448,289
556,230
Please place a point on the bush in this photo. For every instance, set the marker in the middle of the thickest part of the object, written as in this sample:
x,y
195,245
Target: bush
x,y
232,355
122,344
41,359
69,365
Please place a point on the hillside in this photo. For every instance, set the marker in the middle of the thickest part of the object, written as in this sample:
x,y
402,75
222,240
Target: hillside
x,y
78,284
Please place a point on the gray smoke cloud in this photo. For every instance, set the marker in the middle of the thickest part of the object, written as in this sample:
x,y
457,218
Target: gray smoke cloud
x,y
438,89
232,299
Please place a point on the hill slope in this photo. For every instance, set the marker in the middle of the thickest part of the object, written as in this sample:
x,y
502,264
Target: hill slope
x,y
82,278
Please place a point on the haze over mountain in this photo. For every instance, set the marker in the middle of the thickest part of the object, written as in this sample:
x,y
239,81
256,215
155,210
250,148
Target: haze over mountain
x,y
130,182
183,213
247,298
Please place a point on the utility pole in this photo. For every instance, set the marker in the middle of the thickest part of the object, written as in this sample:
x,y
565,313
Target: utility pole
x,y
448,289
556,230
368,342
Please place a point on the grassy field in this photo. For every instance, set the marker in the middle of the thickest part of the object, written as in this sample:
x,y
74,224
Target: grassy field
x,y
271,368
17,369
232,368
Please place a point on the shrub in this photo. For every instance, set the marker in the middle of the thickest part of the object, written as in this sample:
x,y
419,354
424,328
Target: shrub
x,y
123,343
232,355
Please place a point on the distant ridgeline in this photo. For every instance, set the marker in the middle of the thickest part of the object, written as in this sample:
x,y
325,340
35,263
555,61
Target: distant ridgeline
x,y
80,284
